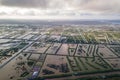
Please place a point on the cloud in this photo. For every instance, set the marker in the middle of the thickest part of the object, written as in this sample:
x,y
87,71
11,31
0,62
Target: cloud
x,y
107,6
25,3
91,5
60,7
3,13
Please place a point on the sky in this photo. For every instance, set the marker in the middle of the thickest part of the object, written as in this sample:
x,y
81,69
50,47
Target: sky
x,y
59,9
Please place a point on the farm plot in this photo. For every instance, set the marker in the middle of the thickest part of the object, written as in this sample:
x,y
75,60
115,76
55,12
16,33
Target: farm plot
x,y
54,48
3,59
72,49
34,57
114,63
92,38
105,52
4,40
110,37
86,50
28,36
63,49
73,64
96,64
22,36
82,50
116,35
70,39
34,37
115,49
38,48
79,39
92,50
87,38
8,45
15,35
100,37
54,65
84,65
5,54
20,68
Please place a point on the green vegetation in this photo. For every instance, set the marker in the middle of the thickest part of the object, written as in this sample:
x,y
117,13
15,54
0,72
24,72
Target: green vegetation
x,y
24,74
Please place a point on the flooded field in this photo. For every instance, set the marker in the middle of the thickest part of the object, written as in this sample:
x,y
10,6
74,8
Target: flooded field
x,y
59,53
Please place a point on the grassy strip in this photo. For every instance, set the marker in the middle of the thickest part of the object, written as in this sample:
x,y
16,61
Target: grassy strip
x,y
104,61
75,50
83,64
93,53
101,65
69,63
112,51
95,72
92,66
58,48
88,51
57,76
77,63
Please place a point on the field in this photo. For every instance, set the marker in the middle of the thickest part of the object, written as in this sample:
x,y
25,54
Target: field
x,y
59,53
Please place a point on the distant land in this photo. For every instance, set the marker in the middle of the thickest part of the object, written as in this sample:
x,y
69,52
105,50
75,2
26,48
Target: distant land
x,y
57,22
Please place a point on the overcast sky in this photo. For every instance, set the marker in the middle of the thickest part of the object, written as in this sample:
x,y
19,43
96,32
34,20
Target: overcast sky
x,y
60,9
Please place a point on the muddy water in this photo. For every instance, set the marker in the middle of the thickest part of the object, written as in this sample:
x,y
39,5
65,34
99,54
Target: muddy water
x,y
9,70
